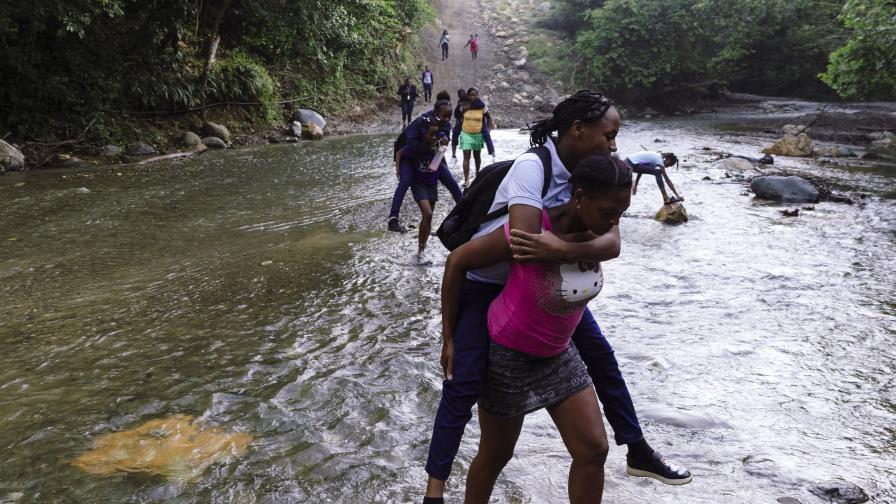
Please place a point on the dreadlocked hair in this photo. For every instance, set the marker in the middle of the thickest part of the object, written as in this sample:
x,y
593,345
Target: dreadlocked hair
x,y
585,105
601,173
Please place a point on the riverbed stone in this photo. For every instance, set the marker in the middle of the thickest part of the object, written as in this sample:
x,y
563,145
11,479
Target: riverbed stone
x,y
308,116
520,63
791,145
312,131
216,130
295,129
788,500
736,164
213,142
840,492
672,214
140,149
834,151
11,158
794,129
544,7
499,68
884,148
787,189
110,151
190,139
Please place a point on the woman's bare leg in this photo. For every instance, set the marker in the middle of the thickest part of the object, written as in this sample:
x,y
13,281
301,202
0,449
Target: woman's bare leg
x,y
580,424
467,168
478,157
425,224
496,442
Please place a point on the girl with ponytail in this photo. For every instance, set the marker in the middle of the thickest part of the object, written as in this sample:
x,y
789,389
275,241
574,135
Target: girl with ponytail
x,y
586,125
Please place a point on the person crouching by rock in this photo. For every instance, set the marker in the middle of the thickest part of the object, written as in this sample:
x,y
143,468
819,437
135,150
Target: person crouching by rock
x,y
408,94
654,163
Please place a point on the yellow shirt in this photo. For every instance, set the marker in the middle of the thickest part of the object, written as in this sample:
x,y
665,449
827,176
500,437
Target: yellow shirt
x,y
473,121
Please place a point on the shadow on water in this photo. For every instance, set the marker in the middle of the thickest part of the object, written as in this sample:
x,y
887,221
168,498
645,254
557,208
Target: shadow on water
x,y
256,290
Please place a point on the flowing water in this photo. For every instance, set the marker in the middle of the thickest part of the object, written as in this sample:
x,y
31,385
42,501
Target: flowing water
x,y
256,289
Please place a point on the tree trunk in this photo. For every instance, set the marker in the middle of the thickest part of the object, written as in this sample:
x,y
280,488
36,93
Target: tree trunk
x,y
214,40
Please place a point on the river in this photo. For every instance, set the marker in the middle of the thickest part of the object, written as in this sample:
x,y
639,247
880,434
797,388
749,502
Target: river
x,y
257,289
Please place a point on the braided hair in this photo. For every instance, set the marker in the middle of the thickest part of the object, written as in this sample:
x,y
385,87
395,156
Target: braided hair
x,y
585,105
601,173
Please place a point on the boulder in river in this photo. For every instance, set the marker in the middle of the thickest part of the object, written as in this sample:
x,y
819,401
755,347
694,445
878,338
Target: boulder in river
x,y
737,164
791,145
840,492
788,189
110,151
834,151
312,132
177,447
214,142
795,129
140,149
216,130
884,148
672,214
295,129
11,158
307,116
190,139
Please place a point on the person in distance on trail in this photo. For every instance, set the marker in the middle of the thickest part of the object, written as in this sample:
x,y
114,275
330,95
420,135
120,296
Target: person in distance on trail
x,y
421,151
654,163
443,43
408,95
427,84
586,124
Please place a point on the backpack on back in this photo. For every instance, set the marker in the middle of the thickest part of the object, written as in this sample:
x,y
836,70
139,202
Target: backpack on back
x,y
472,210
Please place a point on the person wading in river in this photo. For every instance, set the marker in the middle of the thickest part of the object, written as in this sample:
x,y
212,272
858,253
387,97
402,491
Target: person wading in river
x,y
420,151
586,124
408,95
531,364
654,163
474,131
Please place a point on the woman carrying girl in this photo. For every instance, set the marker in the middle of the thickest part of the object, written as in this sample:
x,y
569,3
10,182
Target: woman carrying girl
x,y
586,124
531,364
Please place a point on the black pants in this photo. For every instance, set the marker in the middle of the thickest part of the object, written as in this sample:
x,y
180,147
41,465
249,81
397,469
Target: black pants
x,y
444,51
407,108
427,92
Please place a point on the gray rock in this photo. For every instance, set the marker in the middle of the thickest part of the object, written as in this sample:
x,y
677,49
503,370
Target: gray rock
x,y
841,492
880,135
519,63
736,164
295,129
214,142
190,139
110,151
544,7
216,130
884,148
306,116
11,158
788,500
834,151
499,68
795,129
312,131
140,149
788,189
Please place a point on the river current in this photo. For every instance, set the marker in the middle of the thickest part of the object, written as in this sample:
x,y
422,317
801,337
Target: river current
x,y
258,290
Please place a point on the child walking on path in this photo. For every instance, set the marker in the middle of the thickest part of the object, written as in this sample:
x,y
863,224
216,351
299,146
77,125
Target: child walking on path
x,y
531,364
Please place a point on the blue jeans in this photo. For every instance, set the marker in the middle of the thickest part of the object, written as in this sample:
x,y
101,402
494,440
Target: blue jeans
x,y
471,344
649,170
406,178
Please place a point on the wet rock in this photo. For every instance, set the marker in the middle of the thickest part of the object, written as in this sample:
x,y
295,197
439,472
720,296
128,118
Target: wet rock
x,y
110,151
307,116
788,189
795,129
767,159
499,68
214,142
672,214
685,419
788,212
544,7
177,447
791,145
295,129
885,148
312,132
840,492
880,135
190,139
788,500
216,130
140,149
11,158
737,164
834,151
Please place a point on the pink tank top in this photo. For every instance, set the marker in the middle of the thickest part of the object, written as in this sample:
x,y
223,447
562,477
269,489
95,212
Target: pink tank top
x,y
542,304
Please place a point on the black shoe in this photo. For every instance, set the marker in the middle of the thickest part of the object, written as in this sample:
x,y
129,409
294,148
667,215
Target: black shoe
x,y
395,226
433,500
658,468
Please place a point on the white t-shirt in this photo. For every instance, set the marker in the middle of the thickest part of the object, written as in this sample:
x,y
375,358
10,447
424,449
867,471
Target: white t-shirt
x,y
646,157
522,186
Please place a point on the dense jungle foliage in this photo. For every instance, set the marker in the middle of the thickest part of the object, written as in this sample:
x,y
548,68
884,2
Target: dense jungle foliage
x,y
69,64
656,51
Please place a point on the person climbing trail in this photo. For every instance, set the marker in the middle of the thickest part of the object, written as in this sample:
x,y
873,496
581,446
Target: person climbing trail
x,y
408,95
443,44
426,78
474,45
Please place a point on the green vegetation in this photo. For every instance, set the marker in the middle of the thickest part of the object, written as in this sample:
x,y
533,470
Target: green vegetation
x,y
657,51
98,67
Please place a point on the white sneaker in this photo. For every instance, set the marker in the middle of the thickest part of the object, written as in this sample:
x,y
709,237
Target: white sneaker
x,y
422,259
